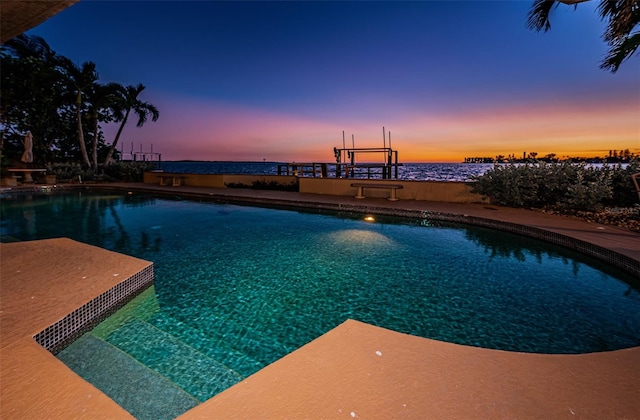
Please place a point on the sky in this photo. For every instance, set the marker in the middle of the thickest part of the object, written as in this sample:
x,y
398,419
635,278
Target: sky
x,y
282,80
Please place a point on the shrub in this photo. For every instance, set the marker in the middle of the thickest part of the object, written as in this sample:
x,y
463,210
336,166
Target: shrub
x,y
264,185
70,172
512,185
624,192
118,171
588,191
563,186
128,171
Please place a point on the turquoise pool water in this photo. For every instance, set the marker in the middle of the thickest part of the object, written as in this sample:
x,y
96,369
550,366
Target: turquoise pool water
x,y
240,287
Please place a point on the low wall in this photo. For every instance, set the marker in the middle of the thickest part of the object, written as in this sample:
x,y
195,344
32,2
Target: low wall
x,y
219,180
451,192
9,181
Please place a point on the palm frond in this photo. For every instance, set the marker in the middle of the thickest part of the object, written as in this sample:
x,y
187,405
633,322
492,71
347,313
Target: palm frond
x,y
622,17
572,2
143,110
539,15
29,46
621,52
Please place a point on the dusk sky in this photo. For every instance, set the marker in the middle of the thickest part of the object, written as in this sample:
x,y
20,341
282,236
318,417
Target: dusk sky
x,y
281,80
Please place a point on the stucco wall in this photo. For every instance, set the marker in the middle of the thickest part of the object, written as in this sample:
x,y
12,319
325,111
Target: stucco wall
x,y
452,192
218,180
194,180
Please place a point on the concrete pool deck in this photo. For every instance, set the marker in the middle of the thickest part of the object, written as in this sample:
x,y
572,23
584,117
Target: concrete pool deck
x,y
40,283
353,371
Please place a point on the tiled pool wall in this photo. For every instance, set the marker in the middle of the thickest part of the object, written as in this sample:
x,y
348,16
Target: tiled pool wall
x,y
59,335
33,189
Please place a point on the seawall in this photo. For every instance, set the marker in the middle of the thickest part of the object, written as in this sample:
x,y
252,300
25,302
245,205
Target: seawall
x,y
448,192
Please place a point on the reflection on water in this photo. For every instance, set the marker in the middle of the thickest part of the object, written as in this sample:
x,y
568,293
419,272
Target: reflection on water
x,y
87,217
499,244
351,237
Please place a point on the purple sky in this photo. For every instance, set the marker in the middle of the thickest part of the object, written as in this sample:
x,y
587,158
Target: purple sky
x,y
282,80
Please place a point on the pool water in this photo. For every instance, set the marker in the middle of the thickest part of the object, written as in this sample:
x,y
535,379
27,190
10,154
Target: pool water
x,y
239,287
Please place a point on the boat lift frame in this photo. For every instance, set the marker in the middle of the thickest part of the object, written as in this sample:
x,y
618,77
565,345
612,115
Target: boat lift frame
x,y
346,158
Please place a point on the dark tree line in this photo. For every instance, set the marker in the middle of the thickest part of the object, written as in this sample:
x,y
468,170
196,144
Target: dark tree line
x,y
63,105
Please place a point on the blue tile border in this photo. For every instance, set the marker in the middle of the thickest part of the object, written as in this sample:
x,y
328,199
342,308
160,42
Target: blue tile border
x,y
59,335
32,189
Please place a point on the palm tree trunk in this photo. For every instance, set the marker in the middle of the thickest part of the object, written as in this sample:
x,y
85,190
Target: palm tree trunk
x,y
83,146
109,159
1,141
94,143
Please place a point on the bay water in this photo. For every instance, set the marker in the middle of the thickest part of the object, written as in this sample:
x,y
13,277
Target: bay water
x,y
461,172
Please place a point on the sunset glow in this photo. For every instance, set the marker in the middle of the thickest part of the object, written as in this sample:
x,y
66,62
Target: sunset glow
x,y
205,131
281,81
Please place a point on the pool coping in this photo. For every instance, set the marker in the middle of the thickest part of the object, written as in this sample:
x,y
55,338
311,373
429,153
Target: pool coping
x,y
52,291
602,385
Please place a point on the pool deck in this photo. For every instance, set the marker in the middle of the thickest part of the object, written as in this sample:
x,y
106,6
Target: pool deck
x,y
353,371
40,283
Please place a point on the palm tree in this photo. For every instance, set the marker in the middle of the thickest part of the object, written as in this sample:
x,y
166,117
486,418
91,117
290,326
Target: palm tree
x,y
29,91
103,100
128,102
623,17
81,79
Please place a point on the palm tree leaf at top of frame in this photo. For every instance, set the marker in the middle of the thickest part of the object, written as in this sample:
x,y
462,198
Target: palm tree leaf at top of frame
x,y
622,17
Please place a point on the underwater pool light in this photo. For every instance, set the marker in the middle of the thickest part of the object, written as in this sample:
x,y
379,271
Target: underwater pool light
x,y
369,219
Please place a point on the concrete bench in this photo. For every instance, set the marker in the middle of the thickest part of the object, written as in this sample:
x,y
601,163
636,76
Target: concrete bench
x,y
26,172
362,185
173,180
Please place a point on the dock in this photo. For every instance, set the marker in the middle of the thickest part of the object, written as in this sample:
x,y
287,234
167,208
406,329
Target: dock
x,y
347,165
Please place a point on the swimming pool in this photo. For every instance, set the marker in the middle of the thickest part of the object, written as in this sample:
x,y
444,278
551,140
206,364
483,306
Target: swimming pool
x,y
239,287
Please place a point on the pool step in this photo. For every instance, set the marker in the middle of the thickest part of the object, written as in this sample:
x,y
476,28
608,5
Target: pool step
x,y
108,368
193,371
211,346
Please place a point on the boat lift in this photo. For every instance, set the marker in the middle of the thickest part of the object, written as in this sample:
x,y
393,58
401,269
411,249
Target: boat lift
x,y
347,165
346,159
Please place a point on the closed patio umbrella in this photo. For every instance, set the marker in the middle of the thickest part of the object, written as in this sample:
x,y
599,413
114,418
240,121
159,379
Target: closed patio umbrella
x,y
27,156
